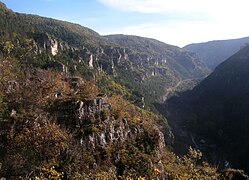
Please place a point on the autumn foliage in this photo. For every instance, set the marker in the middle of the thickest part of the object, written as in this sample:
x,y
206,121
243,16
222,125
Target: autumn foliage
x,y
34,145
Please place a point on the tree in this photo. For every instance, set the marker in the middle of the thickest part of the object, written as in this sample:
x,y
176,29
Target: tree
x,y
8,47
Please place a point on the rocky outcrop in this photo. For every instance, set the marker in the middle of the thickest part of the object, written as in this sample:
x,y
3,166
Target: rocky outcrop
x,y
93,124
113,132
48,43
54,47
96,129
75,113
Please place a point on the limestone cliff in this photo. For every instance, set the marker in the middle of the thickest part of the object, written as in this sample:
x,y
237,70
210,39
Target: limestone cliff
x,y
95,127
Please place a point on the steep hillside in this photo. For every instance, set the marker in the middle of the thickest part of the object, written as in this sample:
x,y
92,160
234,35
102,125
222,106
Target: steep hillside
x,y
145,69
185,64
156,66
217,111
222,104
214,52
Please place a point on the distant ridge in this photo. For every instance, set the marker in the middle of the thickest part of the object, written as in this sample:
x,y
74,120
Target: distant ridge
x,y
212,53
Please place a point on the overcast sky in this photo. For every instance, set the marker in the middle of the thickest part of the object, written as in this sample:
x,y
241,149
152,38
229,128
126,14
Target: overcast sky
x,y
176,22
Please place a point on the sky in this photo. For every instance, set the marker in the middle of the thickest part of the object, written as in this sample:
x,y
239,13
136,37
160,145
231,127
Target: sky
x,y
176,22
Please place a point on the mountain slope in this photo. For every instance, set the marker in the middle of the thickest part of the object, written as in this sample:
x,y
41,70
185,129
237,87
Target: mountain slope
x,y
145,70
217,110
214,52
184,63
157,66
27,25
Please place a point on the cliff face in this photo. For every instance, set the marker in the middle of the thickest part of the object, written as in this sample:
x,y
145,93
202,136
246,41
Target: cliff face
x,y
95,126
161,60
47,43
151,53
